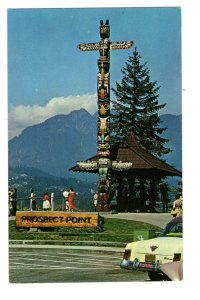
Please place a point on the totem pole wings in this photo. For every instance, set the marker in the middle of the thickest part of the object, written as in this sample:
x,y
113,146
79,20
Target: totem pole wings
x,y
101,46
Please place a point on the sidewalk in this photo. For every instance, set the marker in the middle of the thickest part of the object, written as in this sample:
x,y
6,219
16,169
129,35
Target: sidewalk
x,y
157,219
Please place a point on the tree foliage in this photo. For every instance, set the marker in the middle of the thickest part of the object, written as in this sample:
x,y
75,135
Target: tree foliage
x,y
136,107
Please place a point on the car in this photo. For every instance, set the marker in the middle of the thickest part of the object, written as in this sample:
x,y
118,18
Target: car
x,y
149,255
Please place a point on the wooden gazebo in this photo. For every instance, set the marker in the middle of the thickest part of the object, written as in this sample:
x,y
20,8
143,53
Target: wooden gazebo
x,y
130,161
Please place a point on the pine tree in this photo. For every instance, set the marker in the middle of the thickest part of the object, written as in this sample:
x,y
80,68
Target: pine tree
x,y
136,107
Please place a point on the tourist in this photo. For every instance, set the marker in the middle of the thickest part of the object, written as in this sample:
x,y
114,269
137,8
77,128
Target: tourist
x,y
10,199
95,200
164,190
178,207
13,202
46,202
65,197
34,206
71,199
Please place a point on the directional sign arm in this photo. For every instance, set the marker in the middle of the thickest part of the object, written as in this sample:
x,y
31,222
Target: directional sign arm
x,y
99,46
89,47
121,45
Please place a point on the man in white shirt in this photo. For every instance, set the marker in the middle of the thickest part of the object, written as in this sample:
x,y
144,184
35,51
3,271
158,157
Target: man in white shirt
x,y
65,196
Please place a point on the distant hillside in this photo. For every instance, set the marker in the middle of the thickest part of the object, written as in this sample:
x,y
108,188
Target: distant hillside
x,y
26,178
56,144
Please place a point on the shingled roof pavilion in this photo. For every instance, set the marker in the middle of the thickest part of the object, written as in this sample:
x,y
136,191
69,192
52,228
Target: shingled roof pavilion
x,y
138,164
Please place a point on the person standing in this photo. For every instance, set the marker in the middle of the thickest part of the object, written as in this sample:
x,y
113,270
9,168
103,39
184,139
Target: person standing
x,y
95,201
178,207
14,202
65,197
32,200
34,206
71,199
10,206
46,203
164,190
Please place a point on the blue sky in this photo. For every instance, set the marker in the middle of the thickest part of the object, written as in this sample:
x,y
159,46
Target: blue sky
x,y
48,75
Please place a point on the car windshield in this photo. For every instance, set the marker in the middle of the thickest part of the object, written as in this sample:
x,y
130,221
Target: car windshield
x,y
172,229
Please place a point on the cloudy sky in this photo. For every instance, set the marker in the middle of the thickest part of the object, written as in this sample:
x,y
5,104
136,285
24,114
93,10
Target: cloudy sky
x,y
48,75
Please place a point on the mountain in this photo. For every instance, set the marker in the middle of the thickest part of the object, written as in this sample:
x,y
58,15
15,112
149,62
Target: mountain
x,y
173,132
56,144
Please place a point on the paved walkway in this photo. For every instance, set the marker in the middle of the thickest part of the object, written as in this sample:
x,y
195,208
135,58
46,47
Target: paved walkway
x,y
157,219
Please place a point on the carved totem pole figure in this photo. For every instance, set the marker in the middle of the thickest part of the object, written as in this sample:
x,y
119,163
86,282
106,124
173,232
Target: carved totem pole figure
x,y
103,92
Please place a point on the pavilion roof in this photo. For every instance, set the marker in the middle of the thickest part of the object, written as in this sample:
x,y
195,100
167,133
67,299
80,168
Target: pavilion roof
x,y
142,162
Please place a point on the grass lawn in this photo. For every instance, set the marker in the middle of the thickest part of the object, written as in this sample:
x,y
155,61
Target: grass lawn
x,y
113,230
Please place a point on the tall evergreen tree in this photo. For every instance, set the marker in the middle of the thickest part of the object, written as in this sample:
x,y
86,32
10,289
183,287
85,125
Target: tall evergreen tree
x,y
136,107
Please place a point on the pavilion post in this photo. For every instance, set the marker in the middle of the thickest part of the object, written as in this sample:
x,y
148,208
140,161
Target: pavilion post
x,y
142,194
152,193
131,181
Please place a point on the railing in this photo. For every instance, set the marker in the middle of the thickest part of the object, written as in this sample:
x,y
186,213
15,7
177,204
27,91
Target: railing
x,y
57,203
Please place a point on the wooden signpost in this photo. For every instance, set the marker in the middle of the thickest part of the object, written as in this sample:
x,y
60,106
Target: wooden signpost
x,y
52,219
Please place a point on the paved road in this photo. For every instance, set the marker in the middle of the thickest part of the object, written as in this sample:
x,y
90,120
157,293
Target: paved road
x,y
54,265
48,263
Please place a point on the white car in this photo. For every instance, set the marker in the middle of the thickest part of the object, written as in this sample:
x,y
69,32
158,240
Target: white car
x,y
150,255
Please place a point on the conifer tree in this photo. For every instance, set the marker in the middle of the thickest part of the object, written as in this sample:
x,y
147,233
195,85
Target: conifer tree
x,y
136,107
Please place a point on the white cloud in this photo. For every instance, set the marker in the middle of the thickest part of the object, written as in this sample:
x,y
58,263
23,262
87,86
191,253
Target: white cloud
x,y
22,116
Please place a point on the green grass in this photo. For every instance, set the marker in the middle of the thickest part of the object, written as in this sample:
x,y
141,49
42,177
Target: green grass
x,y
113,230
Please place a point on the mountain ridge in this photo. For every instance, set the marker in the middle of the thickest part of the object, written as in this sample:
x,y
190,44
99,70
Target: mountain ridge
x,y
55,145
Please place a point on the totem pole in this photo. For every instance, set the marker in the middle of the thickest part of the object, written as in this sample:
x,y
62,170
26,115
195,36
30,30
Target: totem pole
x,y
103,92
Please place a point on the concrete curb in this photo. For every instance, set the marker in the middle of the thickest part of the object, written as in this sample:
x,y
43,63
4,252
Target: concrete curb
x,y
68,243
72,248
68,246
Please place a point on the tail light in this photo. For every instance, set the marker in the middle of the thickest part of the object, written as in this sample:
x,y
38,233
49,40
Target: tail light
x,y
127,254
177,257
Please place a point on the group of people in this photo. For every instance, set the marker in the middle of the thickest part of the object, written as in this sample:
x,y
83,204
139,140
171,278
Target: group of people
x,y
68,195
46,205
